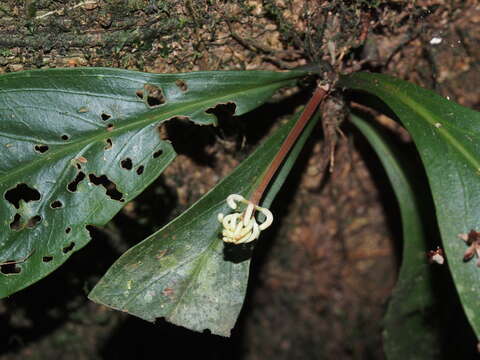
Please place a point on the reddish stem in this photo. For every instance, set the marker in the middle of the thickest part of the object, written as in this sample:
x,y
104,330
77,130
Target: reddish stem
x,y
307,113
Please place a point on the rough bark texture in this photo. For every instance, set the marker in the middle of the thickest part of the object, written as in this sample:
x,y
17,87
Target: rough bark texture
x,y
322,277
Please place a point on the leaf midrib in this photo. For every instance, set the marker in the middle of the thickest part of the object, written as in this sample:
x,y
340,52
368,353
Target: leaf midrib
x,y
433,120
145,120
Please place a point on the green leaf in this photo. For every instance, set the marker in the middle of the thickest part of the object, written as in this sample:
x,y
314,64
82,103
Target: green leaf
x,y
77,144
410,330
185,272
446,135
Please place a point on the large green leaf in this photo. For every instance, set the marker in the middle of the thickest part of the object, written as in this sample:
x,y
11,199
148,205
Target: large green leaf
x,y
185,272
77,144
410,330
446,135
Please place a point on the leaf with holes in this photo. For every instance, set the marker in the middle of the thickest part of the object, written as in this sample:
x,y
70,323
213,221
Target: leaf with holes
x,y
185,272
77,144
446,135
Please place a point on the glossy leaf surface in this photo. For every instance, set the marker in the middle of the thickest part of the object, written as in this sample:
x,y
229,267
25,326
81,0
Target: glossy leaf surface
x,y
185,272
410,331
446,135
77,144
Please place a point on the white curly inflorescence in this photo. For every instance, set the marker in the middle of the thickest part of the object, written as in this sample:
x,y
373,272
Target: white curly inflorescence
x,y
240,228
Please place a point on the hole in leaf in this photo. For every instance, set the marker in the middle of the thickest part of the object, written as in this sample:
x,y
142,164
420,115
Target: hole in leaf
x,y
9,269
139,94
47,258
74,184
16,224
41,148
109,144
193,141
127,164
156,154
21,192
79,161
68,248
33,221
222,111
154,95
65,137
110,187
56,204
165,127
140,169
110,127
182,85
105,116
67,230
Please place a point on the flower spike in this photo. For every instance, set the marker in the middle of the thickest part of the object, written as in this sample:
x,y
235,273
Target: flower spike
x,y
240,228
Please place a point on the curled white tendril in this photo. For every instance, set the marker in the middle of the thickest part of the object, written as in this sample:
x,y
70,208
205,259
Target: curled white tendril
x,y
240,228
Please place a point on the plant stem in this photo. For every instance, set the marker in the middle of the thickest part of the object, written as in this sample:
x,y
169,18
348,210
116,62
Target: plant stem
x,y
307,113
